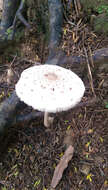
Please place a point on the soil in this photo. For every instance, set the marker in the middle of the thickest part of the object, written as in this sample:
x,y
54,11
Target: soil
x,y
29,152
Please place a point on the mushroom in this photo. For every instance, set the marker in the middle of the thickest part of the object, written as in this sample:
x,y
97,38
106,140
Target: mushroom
x,y
49,88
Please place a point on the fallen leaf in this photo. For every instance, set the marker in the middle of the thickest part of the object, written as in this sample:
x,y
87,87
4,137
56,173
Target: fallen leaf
x,y
65,31
106,183
90,131
101,139
85,169
37,182
89,177
88,144
70,138
62,166
32,158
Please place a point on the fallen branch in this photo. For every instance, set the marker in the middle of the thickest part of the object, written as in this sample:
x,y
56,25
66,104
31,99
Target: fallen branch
x,y
98,56
28,117
58,57
8,111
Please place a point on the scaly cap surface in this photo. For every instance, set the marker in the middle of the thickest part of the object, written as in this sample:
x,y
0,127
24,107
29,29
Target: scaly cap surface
x,y
50,88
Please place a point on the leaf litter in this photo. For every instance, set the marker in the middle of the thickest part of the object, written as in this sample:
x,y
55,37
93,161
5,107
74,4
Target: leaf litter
x,y
76,143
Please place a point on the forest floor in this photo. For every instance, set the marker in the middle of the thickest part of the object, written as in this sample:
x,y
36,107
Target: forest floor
x,y
29,152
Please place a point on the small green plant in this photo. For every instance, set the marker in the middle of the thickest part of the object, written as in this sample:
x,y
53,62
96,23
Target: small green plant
x,y
102,9
106,105
3,188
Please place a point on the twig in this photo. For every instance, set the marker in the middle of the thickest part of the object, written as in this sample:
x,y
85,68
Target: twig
x,y
91,57
89,72
13,60
87,103
68,21
26,60
76,7
30,61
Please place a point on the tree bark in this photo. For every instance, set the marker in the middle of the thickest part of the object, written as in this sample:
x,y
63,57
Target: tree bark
x,y
9,9
55,27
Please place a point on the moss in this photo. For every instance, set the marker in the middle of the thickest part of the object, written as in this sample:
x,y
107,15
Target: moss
x,y
101,24
99,9
95,6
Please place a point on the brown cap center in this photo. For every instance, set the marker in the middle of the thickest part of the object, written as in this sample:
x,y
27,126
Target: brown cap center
x,y
51,76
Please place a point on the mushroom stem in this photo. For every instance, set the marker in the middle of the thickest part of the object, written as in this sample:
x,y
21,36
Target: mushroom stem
x,y
47,119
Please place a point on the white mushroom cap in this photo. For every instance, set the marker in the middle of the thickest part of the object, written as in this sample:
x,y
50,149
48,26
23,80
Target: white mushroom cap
x,y
50,88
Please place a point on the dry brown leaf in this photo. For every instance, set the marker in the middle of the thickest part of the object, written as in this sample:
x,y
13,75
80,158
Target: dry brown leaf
x,y
62,166
70,138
